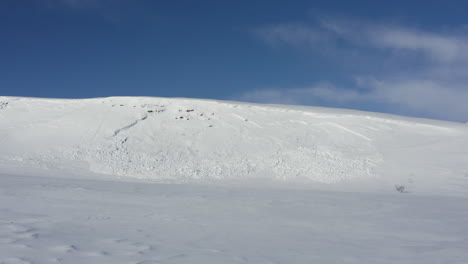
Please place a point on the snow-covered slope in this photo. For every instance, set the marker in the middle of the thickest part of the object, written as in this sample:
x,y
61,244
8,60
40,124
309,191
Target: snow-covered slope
x,y
73,184
187,140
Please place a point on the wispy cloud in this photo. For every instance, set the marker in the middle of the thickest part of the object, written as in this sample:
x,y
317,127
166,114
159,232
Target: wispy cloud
x,y
439,47
436,84
443,47
319,92
422,97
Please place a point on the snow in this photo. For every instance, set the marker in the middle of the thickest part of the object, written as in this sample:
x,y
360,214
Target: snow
x,y
186,140
56,220
175,180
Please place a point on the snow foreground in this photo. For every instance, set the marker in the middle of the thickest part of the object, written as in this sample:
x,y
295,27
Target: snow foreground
x,y
187,140
69,221
80,182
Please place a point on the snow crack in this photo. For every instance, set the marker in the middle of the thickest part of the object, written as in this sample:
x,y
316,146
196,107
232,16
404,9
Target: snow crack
x,y
116,132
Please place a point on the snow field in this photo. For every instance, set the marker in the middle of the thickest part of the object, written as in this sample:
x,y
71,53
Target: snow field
x,y
186,140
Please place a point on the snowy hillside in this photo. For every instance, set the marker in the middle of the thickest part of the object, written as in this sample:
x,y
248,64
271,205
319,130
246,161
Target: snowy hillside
x,y
81,182
187,140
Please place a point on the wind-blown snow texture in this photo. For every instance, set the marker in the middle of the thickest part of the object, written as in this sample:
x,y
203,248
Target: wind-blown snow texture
x,y
56,220
79,183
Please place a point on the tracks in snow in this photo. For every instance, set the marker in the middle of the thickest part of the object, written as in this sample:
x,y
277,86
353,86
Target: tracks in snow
x,y
350,131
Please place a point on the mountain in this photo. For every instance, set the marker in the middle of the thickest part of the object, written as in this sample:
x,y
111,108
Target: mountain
x,y
181,140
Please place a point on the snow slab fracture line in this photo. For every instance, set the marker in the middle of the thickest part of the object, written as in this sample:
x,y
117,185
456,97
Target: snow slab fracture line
x,y
116,132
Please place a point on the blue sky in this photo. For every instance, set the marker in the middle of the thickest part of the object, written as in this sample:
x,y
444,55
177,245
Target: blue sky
x,y
402,57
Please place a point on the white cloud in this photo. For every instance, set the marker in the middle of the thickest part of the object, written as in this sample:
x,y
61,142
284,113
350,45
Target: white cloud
x,y
443,48
405,96
431,97
320,92
435,85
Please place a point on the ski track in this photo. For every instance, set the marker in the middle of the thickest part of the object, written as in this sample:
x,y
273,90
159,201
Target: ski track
x,y
350,131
